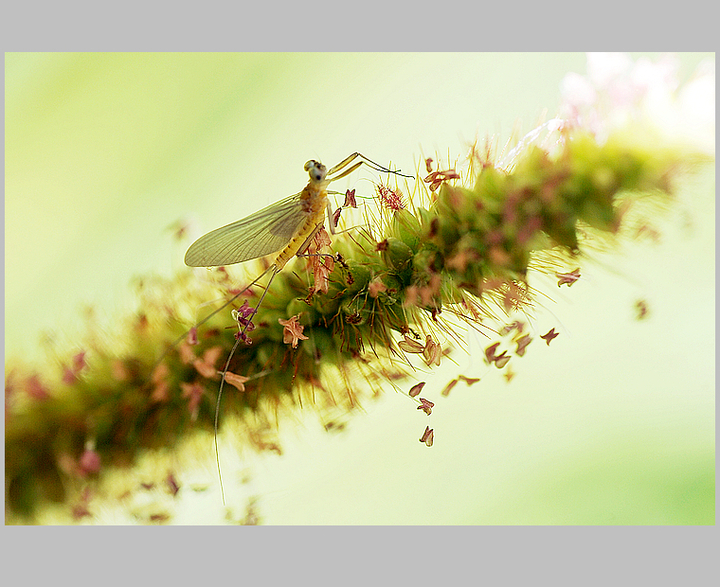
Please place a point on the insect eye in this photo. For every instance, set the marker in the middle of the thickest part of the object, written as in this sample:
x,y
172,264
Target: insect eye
x,y
312,164
317,170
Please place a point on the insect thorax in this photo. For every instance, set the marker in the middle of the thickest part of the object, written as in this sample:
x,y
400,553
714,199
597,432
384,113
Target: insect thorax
x,y
314,200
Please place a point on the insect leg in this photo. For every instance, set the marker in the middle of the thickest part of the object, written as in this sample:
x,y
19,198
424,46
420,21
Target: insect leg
x,y
180,338
331,224
369,162
349,159
227,366
226,304
347,171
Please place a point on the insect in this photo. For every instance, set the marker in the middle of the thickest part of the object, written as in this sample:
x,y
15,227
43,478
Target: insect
x,y
286,228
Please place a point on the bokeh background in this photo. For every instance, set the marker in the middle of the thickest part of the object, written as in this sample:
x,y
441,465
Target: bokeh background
x,y
613,423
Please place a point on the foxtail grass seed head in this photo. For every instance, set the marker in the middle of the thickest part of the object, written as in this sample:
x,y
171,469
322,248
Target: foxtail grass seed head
x,y
373,303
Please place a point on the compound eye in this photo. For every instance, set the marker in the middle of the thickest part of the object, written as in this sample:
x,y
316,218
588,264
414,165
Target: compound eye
x,y
316,169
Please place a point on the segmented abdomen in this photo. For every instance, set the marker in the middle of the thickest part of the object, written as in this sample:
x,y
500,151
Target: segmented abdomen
x,y
300,240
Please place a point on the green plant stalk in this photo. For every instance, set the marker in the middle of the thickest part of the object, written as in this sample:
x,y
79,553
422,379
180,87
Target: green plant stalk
x,y
464,251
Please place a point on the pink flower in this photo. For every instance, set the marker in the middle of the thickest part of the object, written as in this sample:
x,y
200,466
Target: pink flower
x,y
245,325
436,178
410,346
522,344
89,462
79,362
375,287
187,356
508,328
321,240
426,406
502,360
322,268
427,436
432,352
644,97
119,371
391,199
245,311
642,309
499,360
70,374
322,264
161,391
350,199
193,392
206,365
548,336
411,296
448,388
172,484
80,509
292,331
514,297
429,291
236,380
460,260
335,219
416,389
490,352
468,380
568,278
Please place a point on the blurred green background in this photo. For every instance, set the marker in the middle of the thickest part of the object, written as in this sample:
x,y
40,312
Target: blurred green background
x,y
611,424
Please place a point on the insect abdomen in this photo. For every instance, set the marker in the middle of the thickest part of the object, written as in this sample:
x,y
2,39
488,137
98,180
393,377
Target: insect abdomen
x,y
298,241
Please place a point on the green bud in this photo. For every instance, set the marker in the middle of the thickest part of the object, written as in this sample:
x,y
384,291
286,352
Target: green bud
x,y
406,227
491,188
397,255
357,277
355,310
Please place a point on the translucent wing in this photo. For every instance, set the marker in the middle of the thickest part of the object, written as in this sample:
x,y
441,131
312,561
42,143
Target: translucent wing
x,y
260,234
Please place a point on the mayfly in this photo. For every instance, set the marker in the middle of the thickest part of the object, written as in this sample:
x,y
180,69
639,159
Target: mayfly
x,y
286,228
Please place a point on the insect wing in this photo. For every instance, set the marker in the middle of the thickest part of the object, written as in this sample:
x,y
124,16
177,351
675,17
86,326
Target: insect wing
x,y
260,234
